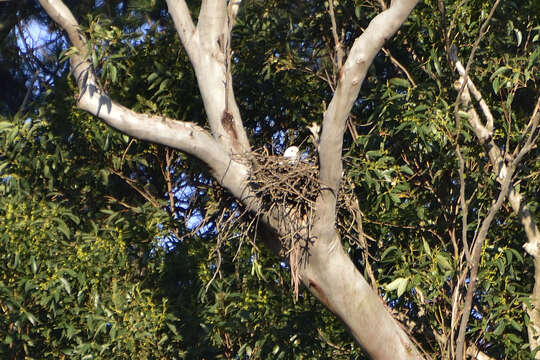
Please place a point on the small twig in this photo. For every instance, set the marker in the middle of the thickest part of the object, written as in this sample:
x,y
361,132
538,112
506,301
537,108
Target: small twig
x,y
126,150
338,61
167,175
28,93
145,194
399,65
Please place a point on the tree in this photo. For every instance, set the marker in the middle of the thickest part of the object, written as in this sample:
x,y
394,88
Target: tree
x,y
319,261
208,47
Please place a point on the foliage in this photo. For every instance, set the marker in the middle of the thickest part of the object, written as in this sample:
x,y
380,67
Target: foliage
x,y
96,259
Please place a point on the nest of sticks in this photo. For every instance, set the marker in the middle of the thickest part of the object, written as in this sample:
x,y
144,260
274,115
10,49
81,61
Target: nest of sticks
x,y
290,187
288,191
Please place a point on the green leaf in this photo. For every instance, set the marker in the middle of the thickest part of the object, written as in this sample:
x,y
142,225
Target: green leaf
x,y
399,284
5,125
400,82
357,11
3,166
406,169
65,283
387,251
113,74
427,249
62,227
402,287
443,262
498,72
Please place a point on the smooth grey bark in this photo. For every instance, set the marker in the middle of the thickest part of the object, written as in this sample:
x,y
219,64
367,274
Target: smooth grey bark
x,y
327,270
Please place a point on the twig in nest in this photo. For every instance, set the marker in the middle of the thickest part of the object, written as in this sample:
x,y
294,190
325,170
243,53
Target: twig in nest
x,y
287,192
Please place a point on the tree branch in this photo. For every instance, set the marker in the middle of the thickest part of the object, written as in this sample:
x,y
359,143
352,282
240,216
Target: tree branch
x,y
180,135
476,255
184,25
207,49
212,22
352,74
233,7
496,156
338,60
483,132
498,161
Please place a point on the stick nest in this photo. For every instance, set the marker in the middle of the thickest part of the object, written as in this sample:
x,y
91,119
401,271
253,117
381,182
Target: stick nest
x,y
287,191
279,182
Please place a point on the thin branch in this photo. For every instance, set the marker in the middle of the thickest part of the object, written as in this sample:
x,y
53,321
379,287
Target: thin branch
x,y
143,192
460,342
497,158
483,134
166,171
476,255
462,196
28,93
338,61
399,65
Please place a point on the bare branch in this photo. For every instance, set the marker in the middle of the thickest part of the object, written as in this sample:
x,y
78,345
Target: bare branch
x,y
497,157
482,132
352,75
476,255
234,6
399,65
184,25
337,43
28,93
498,161
509,165
180,135
212,22
208,46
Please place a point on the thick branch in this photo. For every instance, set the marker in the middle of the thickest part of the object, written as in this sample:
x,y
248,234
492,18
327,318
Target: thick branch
x,y
333,278
184,136
207,49
212,20
352,74
184,25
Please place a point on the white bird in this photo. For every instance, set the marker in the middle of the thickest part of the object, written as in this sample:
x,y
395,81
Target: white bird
x,y
292,154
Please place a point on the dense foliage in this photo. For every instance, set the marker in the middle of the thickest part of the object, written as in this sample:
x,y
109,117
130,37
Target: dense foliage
x,y
110,247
